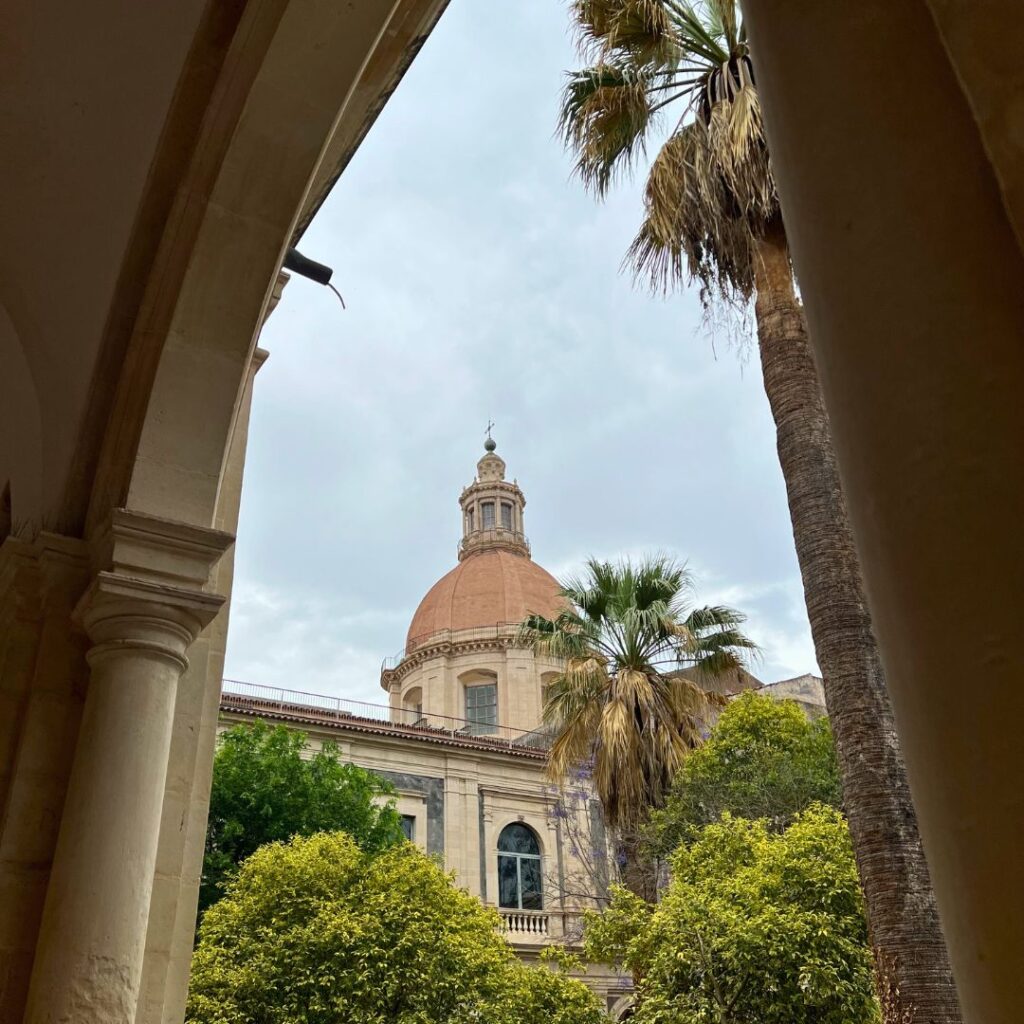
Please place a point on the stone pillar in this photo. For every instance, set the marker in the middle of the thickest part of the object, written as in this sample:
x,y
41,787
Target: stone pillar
x,y
141,620
912,273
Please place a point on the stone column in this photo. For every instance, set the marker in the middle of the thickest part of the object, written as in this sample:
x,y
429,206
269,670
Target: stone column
x,y
141,621
911,272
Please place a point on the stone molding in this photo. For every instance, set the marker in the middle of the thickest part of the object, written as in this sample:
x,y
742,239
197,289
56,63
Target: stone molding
x,y
47,573
137,544
444,649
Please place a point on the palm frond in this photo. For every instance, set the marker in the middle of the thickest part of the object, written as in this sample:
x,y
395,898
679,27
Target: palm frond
x,y
710,190
703,209
642,29
611,706
604,119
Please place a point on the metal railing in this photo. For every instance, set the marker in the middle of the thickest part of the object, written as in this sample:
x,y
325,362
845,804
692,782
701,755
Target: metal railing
x,y
256,697
501,631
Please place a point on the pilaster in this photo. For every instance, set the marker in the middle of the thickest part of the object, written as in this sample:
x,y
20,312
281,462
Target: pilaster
x,y
42,680
147,603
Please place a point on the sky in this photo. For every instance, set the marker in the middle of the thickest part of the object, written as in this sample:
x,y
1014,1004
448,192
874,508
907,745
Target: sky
x,y
483,283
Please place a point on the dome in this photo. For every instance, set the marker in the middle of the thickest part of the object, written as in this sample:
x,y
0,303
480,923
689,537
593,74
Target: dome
x,y
486,588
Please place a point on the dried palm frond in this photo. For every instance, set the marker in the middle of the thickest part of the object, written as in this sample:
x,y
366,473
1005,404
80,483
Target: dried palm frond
x,y
642,28
605,118
710,191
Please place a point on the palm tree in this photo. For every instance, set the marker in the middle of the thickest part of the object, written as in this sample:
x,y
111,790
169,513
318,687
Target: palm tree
x,y
711,214
622,704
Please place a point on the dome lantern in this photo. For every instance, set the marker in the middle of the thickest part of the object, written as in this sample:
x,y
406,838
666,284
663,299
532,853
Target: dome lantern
x,y
461,661
492,509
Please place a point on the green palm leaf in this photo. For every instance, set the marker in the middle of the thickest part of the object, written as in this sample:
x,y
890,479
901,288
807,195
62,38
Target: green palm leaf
x,y
619,703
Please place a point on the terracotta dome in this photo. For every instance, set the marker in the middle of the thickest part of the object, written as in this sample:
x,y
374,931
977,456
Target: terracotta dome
x,y
486,588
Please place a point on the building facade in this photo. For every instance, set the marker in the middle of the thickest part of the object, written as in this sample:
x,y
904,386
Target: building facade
x,y
461,737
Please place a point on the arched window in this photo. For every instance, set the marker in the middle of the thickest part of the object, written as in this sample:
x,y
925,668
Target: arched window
x,y
481,701
519,876
547,680
412,702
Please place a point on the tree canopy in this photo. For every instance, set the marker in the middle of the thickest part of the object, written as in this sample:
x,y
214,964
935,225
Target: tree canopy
x,y
756,927
316,931
762,759
264,790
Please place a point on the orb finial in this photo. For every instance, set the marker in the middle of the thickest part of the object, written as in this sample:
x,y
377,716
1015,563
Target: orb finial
x,y
490,444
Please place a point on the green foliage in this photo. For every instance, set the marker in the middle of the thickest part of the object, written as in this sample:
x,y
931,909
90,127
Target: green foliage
x,y
264,791
763,759
756,927
316,931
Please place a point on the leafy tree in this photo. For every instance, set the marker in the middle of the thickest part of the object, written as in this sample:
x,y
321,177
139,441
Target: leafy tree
x,y
757,927
618,704
681,73
763,759
264,790
316,931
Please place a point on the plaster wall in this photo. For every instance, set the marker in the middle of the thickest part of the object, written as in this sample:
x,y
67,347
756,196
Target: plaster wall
x,y
442,678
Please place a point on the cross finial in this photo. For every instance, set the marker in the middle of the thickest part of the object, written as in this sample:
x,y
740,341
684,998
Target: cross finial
x,y
489,443
490,427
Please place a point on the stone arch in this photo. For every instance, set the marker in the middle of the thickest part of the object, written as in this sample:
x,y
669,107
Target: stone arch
x,y
621,1008
412,705
234,214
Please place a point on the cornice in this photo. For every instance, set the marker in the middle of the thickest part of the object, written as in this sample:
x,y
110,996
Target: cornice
x,y
442,649
369,726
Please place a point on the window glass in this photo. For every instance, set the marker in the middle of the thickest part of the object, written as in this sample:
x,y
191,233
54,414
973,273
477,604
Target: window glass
x,y
482,708
530,883
506,515
487,512
518,839
520,882
409,826
508,882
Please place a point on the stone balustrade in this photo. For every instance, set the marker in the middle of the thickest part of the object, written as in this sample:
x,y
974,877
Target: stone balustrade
x,y
526,925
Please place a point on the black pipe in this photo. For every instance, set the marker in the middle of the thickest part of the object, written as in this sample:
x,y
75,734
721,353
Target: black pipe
x,y
305,267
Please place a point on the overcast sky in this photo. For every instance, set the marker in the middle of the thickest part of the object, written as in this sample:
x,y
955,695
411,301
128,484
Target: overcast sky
x,y
482,282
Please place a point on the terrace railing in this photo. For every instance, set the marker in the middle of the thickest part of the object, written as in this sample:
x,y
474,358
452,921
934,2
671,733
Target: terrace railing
x,y
256,697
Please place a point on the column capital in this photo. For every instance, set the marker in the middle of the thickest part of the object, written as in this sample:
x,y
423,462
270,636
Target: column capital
x,y
151,593
122,614
48,572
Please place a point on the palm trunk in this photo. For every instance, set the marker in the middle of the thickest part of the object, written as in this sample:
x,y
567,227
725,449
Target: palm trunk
x,y
910,951
638,872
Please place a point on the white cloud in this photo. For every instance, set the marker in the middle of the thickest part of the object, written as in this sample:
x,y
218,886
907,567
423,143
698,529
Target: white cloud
x,y
481,281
